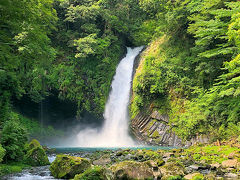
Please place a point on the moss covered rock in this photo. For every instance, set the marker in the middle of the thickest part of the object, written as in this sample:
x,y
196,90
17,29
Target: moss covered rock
x,y
66,167
133,170
33,144
144,155
35,156
172,169
194,176
94,173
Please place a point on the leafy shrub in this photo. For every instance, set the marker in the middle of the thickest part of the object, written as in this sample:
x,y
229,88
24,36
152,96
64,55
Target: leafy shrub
x,y
36,130
14,137
13,167
2,153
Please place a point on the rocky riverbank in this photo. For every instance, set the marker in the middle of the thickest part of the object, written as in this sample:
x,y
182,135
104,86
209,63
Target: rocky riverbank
x,y
212,161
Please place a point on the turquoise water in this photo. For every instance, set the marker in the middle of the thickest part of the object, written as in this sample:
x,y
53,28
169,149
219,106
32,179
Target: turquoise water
x,y
87,149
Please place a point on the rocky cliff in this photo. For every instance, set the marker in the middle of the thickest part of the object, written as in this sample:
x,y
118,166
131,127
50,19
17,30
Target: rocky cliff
x,y
152,127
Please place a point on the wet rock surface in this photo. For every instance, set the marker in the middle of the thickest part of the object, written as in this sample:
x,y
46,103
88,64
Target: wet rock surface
x,y
135,170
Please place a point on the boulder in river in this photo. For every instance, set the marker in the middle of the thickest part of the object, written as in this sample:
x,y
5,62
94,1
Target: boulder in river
x,y
194,176
172,169
66,167
35,156
134,170
95,173
231,163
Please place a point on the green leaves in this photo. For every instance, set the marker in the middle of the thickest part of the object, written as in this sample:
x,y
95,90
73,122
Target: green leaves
x,y
13,139
82,13
2,153
90,41
86,46
25,50
199,80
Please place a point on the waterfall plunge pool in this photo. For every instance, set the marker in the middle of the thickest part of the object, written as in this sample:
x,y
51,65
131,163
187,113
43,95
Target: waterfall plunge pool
x,y
43,172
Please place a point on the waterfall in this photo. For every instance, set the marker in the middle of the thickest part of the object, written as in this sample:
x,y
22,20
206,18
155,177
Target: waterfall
x,y
114,132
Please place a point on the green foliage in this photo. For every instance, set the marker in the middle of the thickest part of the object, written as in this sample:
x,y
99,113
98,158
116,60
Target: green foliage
x,y
13,139
196,81
145,33
9,86
65,46
25,51
90,39
211,154
2,153
36,130
13,167
190,69
164,66
175,178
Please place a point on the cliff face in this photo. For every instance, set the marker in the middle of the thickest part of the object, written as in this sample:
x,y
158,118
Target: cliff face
x,y
153,129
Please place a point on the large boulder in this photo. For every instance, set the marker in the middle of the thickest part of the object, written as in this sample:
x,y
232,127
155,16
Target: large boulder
x,y
33,144
144,155
231,163
134,170
66,167
35,155
172,169
194,176
94,173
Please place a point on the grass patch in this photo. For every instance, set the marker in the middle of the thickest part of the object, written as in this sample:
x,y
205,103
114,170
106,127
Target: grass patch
x,y
211,154
13,167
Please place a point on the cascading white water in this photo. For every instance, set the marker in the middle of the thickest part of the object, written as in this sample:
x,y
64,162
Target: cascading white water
x,y
115,129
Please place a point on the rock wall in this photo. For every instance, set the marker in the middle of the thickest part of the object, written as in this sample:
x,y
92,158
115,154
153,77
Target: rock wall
x,y
153,129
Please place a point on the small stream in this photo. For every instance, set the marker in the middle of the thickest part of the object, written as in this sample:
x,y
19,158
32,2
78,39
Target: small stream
x,y
34,173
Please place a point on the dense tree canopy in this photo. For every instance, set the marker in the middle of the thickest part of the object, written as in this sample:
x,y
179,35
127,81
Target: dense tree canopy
x,y
190,69
72,47
192,72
